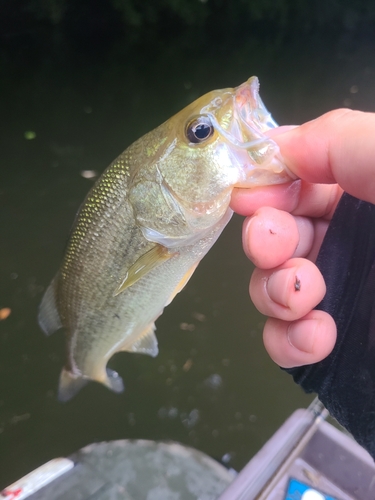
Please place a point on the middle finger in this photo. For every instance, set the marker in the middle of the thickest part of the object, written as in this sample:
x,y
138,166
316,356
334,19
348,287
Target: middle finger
x,y
271,236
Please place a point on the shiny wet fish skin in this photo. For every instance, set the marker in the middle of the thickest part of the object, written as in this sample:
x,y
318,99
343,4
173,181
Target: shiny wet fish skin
x,y
146,224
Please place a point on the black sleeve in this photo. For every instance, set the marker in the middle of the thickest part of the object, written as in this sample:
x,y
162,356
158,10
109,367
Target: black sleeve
x,y
345,380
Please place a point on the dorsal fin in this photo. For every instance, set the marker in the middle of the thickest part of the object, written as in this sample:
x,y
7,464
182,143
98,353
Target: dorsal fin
x,y
48,316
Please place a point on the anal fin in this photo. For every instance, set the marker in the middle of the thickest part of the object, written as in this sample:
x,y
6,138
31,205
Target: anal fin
x,y
146,343
48,316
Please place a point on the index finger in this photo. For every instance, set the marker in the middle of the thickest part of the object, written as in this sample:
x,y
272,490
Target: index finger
x,y
338,147
297,198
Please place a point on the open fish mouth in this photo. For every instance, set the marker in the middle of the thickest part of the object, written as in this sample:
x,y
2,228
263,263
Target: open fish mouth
x,y
255,154
250,117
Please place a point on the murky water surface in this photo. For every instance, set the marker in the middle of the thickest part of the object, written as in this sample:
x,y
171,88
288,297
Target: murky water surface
x,y
212,386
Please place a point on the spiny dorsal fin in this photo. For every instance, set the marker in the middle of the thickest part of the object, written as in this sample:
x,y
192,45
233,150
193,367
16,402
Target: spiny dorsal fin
x,y
48,316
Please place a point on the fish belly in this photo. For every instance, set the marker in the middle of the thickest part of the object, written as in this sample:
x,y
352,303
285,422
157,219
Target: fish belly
x,y
125,322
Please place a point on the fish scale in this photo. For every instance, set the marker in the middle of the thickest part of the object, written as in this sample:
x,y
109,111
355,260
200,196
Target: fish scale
x,y
146,224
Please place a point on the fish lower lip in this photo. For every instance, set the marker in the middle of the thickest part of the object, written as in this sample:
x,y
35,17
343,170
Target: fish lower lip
x,y
244,185
260,177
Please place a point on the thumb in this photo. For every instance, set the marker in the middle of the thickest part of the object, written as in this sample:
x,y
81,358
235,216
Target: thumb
x,y
338,147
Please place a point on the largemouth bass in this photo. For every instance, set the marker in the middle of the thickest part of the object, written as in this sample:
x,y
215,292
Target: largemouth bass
x,y
146,224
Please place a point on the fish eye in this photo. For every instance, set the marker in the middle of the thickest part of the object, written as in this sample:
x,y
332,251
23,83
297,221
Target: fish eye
x,y
199,130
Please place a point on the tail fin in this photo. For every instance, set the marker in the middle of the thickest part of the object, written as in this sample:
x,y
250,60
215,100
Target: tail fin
x,y
114,382
71,384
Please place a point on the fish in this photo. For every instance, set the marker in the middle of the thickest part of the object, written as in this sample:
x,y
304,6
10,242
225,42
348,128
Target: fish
x,y
147,222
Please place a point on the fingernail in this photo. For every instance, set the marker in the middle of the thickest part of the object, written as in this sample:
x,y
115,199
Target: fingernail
x,y
301,334
246,236
278,286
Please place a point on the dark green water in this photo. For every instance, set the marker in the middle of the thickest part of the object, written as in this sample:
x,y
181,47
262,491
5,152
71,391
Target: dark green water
x,y
212,386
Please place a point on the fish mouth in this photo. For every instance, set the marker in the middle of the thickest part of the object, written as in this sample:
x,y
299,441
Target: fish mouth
x,y
249,120
263,164
255,154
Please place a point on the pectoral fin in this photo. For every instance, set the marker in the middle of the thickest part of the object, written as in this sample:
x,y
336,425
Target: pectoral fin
x,y
146,263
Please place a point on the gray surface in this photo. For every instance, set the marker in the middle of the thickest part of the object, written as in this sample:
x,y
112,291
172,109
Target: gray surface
x,y
342,461
139,470
331,462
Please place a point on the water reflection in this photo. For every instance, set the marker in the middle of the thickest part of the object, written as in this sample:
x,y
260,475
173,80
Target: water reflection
x,y
212,385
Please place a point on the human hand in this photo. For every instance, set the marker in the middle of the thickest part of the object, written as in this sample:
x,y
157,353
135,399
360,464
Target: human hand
x,y
333,153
